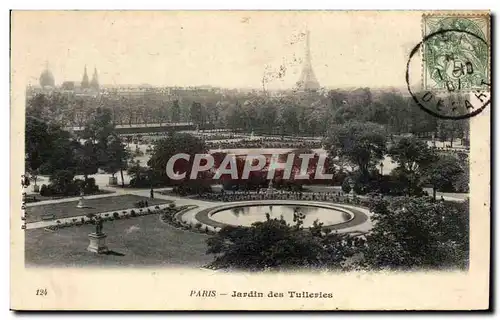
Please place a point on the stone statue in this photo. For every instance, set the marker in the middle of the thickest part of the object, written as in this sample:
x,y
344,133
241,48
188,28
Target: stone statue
x,y
97,239
98,226
270,188
81,203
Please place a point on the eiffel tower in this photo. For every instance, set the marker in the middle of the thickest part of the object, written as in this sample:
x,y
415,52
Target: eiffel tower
x,y
308,81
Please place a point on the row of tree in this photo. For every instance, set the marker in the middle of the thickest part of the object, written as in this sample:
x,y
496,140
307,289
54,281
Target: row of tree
x,y
361,146
286,113
353,146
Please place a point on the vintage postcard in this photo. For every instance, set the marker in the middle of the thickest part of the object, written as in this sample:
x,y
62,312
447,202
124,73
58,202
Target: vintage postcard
x,y
250,160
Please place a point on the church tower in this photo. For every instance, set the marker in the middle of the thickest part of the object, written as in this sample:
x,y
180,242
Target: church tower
x,y
94,83
308,81
47,78
85,80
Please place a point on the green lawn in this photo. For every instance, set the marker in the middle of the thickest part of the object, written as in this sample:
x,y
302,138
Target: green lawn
x,y
69,209
36,197
135,242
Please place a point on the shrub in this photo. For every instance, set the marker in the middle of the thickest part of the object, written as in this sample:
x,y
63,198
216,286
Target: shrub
x,y
346,185
172,205
79,183
133,214
197,225
61,182
359,188
116,215
45,191
90,186
141,204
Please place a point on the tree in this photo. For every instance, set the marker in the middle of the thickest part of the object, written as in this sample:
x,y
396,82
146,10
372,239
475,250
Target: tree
x,y
37,106
48,108
361,97
288,118
62,182
38,143
274,244
175,112
412,156
162,113
135,171
361,144
87,161
116,157
397,109
346,185
196,113
417,233
100,127
378,112
97,133
236,117
315,118
172,145
442,173
461,184
346,113
47,147
266,115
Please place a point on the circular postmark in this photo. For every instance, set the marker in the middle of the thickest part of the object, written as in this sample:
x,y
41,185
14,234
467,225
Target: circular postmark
x,y
454,80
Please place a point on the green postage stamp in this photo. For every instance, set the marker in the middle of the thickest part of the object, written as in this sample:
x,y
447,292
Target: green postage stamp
x,y
456,52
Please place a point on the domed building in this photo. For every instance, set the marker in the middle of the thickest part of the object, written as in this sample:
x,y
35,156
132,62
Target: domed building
x,y
47,78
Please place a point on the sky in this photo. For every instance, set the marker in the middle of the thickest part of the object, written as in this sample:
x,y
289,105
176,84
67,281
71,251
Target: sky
x,y
223,49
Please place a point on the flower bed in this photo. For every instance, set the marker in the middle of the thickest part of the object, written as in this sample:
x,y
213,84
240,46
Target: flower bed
x,y
334,197
172,217
260,143
107,216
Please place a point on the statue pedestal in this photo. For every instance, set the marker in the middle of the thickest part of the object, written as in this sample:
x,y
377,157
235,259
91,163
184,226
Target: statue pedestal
x,y
81,204
97,243
270,189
